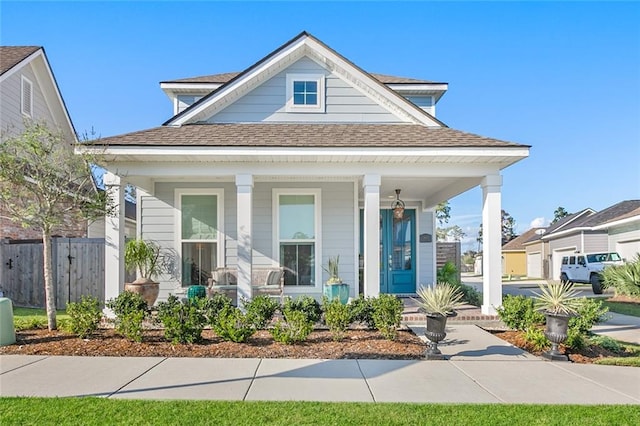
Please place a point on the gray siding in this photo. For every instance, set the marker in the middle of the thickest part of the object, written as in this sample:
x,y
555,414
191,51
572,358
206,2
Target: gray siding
x,y
267,102
338,227
595,241
11,117
426,275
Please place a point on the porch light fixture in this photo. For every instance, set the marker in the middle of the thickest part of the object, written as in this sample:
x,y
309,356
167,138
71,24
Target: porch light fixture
x,y
398,206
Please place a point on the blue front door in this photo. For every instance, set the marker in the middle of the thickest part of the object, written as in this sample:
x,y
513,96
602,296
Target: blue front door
x,y
397,252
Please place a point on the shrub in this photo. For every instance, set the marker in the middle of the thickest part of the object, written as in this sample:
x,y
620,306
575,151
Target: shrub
x,y
607,343
295,327
470,295
213,305
589,313
233,325
183,322
305,304
535,337
261,310
448,274
387,313
625,279
130,310
84,316
362,311
337,317
518,313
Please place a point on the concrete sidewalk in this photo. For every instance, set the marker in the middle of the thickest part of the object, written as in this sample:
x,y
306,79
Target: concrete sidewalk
x,y
481,369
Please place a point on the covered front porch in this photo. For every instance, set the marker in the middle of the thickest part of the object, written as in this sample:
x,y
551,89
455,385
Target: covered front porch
x,y
270,208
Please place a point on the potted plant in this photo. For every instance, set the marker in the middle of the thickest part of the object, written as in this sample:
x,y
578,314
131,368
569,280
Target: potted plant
x,y
559,302
143,257
334,287
438,303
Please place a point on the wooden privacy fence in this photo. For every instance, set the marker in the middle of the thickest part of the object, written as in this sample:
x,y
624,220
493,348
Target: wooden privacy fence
x,y
78,270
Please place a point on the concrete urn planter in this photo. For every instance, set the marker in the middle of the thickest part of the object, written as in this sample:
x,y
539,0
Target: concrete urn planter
x,y
557,332
435,332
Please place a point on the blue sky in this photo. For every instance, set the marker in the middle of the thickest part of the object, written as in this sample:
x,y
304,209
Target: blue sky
x,y
562,77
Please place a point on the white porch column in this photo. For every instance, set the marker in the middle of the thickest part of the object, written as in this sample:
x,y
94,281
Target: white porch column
x,y
371,185
491,244
244,186
114,241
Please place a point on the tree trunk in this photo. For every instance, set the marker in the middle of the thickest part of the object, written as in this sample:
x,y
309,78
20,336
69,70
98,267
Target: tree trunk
x,y
49,290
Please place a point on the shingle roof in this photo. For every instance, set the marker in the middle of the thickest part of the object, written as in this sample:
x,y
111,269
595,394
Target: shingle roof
x,y
305,135
10,56
615,212
518,242
225,77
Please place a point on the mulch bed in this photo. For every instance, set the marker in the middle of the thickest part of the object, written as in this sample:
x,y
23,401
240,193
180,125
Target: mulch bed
x,y
358,344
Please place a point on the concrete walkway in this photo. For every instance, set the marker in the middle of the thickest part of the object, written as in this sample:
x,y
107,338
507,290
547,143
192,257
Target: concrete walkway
x,y
481,368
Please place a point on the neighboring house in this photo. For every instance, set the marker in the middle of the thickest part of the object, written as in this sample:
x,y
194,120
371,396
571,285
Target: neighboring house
x,y
298,159
96,228
514,256
28,91
616,228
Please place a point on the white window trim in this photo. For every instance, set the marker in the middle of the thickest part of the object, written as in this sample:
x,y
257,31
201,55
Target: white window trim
x,y
221,251
317,194
24,80
320,79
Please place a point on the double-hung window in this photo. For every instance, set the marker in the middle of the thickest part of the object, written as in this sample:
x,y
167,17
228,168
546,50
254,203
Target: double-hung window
x,y
199,234
305,92
297,221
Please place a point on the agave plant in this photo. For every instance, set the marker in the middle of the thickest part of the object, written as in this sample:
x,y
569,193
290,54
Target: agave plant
x,y
332,270
557,298
440,299
625,279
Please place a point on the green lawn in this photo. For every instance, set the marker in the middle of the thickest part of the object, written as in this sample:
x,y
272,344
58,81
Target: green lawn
x,y
95,411
632,309
26,318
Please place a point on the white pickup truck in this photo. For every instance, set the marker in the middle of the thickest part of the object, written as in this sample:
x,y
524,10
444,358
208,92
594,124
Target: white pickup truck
x,y
586,268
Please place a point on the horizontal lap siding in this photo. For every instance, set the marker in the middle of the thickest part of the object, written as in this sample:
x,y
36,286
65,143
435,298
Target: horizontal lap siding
x,y
426,274
267,102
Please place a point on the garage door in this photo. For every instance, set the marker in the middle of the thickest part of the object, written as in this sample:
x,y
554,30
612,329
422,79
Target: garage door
x,y
534,265
557,261
628,249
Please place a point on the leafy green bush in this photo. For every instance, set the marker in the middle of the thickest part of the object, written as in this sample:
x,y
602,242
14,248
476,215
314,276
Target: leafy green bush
x,y
625,279
295,327
130,310
362,311
261,310
305,304
448,274
183,322
387,313
213,305
470,295
518,313
589,313
234,325
337,317
535,337
84,316
607,342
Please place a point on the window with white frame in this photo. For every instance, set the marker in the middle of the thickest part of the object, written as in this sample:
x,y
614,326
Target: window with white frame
x,y
297,219
199,234
26,99
305,92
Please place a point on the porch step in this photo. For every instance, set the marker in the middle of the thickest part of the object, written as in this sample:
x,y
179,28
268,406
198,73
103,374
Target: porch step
x,y
467,314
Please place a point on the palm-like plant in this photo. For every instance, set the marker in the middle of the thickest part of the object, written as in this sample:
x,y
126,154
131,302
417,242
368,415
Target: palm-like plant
x,y
557,298
625,279
442,299
332,270
143,257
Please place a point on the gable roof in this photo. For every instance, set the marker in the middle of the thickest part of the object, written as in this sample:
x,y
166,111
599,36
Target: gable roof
x,y
303,44
517,244
621,210
13,58
10,56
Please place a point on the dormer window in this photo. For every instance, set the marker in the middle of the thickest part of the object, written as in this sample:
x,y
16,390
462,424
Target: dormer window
x,y
305,93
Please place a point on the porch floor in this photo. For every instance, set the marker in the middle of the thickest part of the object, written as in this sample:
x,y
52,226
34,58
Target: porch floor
x,y
467,314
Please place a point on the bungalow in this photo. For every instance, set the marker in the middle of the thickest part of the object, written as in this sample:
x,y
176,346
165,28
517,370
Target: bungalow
x,y
301,157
